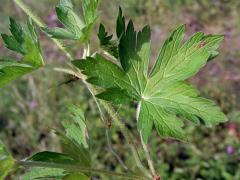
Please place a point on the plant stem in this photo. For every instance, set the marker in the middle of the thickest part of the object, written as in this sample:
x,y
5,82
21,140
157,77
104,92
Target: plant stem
x,y
107,128
147,154
145,148
92,92
122,127
127,136
112,150
78,169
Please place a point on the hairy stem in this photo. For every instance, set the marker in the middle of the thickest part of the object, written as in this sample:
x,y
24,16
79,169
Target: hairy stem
x,y
107,128
145,148
127,136
78,169
147,154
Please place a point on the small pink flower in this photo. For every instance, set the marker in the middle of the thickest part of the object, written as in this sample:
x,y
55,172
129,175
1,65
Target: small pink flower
x,y
229,150
33,104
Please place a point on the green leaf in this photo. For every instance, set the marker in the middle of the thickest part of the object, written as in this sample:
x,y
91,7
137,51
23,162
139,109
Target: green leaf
x,y
6,161
70,20
164,98
166,124
127,46
76,176
75,27
52,157
75,150
17,31
34,38
115,95
66,3
92,67
90,10
44,173
10,70
103,36
106,42
26,42
120,27
59,33
77,130
53,173
74,141
12,44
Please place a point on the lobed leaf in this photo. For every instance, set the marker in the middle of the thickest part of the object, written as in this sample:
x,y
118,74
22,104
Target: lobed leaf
x,y
103,36
23,41
75,151
106,42
164,98
12,44
17,31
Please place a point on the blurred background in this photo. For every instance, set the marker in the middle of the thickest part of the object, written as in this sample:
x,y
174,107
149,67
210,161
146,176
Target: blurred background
x,y
31,107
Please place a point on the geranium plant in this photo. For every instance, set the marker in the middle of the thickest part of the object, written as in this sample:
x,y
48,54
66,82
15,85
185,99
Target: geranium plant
x,y
117,73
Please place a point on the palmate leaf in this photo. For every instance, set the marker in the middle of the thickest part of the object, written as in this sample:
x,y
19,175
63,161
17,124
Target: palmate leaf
x,y
75,151
164,98
23,41
75,27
